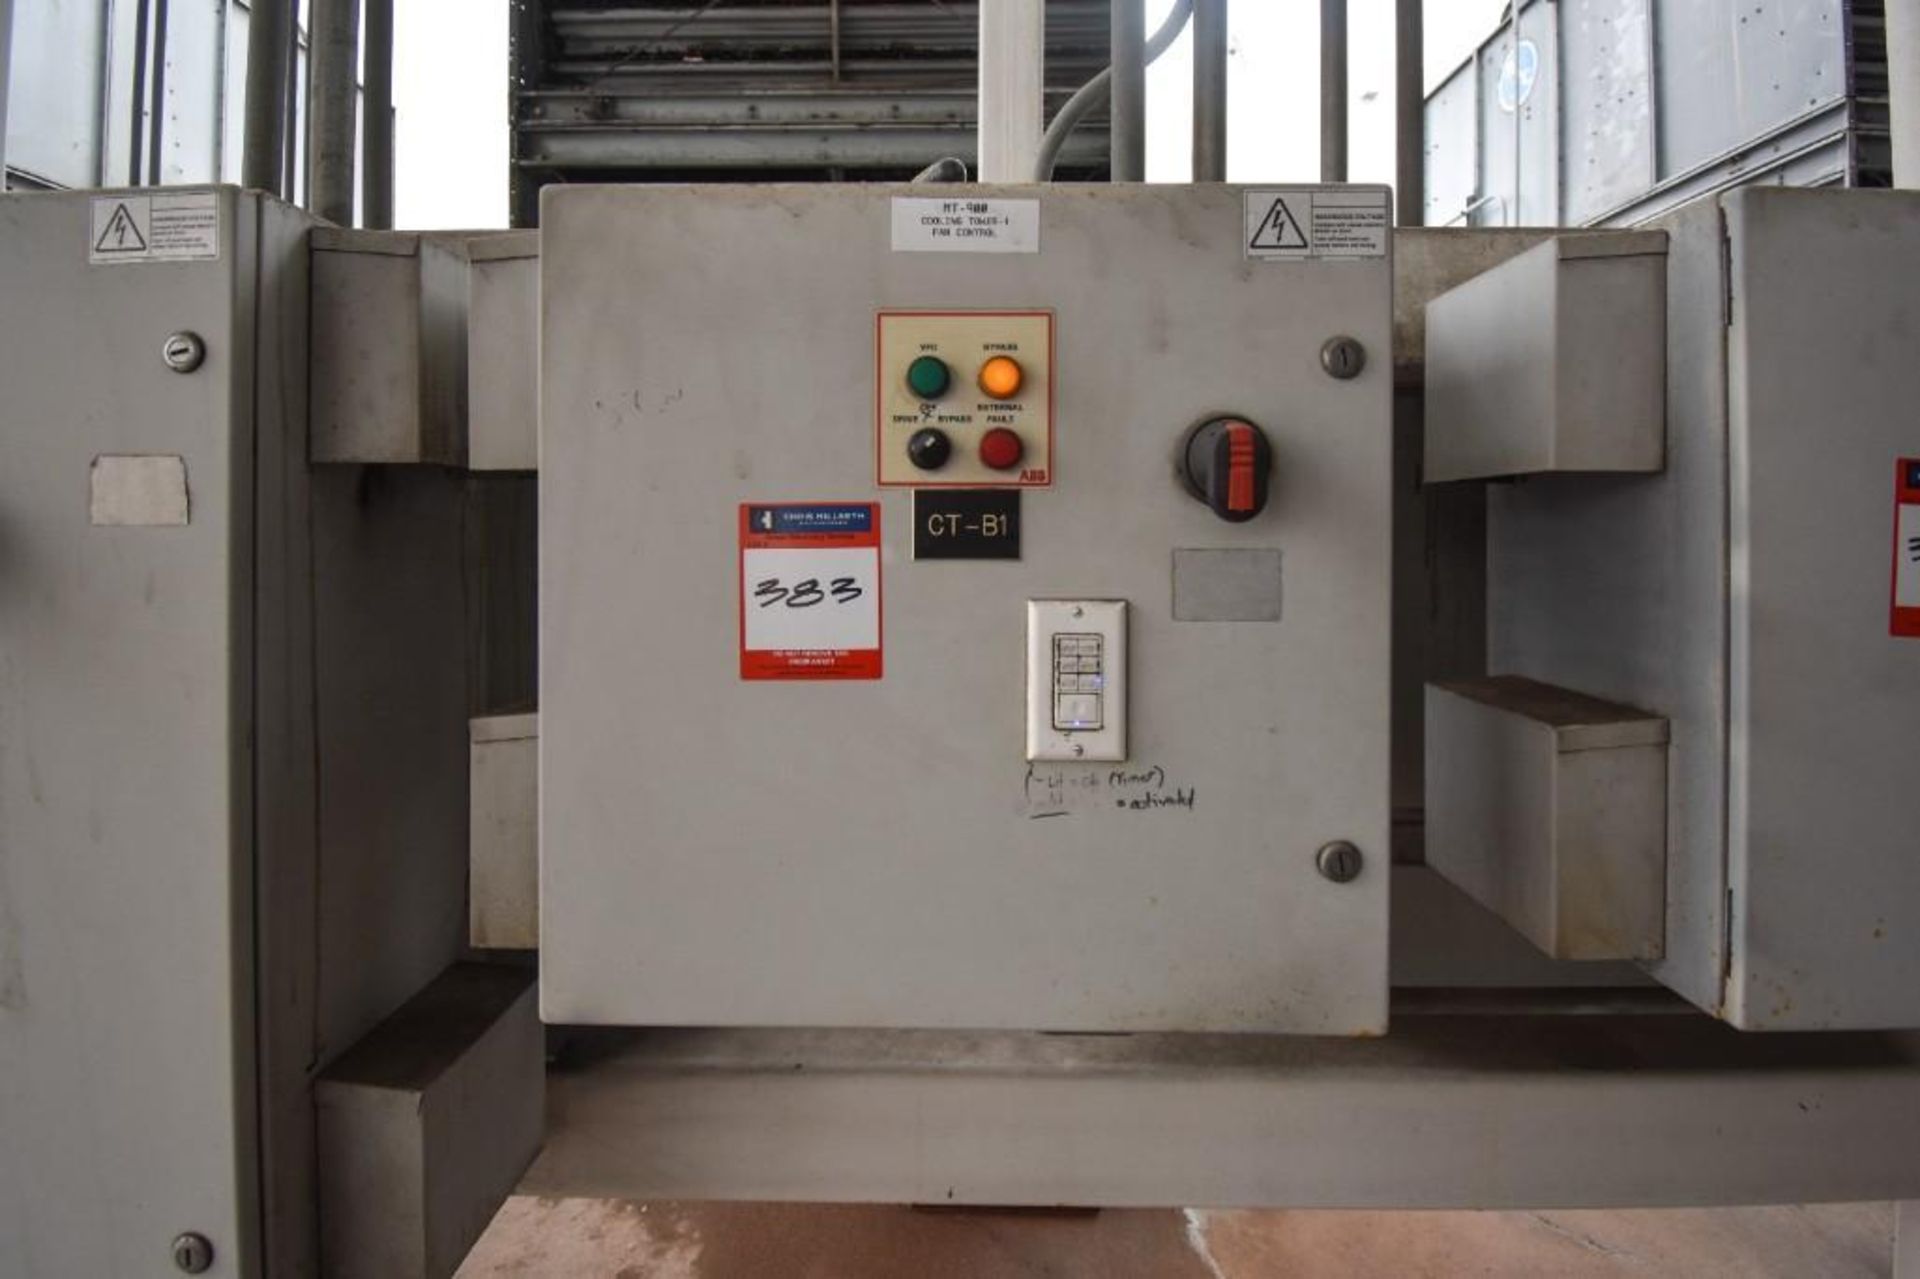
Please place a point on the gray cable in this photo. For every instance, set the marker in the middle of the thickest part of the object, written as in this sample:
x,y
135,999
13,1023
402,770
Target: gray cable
x,y
949,169
1089,94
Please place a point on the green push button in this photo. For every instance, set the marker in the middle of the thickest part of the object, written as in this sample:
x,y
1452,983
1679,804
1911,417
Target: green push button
x,y
928,377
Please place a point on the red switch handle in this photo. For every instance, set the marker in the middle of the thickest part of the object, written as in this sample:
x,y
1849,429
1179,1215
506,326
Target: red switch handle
x,y
1227,462
1240,468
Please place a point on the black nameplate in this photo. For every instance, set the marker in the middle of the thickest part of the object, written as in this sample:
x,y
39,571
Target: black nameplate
x,y
966,524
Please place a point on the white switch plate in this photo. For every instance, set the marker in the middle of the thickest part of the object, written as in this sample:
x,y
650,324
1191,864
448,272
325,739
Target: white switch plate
x,y
1077,680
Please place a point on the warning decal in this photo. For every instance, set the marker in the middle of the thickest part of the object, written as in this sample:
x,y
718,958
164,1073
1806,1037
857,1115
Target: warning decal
x,y
1906,549
1298,223
810,591
154,228
1279,229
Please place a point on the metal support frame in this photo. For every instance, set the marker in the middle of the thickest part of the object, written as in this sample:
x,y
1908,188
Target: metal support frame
x,y
1127,99
157,75
1410,112
291,126
332,66
1210,90
137,104
525,53
376,191
269,69
1906,1240
6,60
1448,1111
1903,89
1012,54
1333,90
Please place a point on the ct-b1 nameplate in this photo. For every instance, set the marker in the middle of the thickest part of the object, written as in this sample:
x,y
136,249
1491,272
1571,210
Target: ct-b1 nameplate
x,y
966,524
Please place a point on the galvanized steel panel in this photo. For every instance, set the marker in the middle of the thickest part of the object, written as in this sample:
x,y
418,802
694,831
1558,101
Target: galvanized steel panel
x,y
1606,47
54,90
1728,71
1453,149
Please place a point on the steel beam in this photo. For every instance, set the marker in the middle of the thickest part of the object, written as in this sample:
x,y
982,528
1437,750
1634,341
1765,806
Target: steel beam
x,y
763,109
1012,64
1210,90
6,60
1445,1112
377,132
269,50
1903,88
1410,112
947,27
1333,90
746,148
1127,95
332,71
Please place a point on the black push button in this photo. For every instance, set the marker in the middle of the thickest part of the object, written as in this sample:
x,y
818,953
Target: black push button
x,y
929,448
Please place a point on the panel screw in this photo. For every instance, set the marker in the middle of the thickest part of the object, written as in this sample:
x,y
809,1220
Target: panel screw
x,y
1339,861
192,1253
1343,358
183,351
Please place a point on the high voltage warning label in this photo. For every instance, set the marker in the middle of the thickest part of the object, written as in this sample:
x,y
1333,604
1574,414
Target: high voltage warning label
x,y
154,228
1317,222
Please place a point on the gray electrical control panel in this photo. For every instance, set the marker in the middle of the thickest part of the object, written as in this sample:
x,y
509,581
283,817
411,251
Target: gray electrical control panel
x,y
966,609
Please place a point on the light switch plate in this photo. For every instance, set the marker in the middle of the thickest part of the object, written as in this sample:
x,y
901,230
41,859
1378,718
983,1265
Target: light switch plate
x,y
1077,680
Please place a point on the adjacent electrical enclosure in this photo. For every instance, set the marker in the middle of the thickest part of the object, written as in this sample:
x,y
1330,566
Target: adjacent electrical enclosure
x,y
156,711
1552,361
1748,593
836,835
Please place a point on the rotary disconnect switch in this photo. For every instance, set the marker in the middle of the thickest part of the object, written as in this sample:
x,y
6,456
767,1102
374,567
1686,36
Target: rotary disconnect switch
x,y
1226,463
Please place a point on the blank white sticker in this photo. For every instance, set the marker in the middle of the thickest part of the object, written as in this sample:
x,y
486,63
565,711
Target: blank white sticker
x,y
962,225
138,491
811,599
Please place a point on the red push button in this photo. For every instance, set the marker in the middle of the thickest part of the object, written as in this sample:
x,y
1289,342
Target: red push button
x,y
1001,449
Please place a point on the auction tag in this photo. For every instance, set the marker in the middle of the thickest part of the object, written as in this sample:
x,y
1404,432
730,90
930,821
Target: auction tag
x,y
810,590
1906,548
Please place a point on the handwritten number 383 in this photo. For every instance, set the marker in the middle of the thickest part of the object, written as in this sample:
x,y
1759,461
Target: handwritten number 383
x,y
807,593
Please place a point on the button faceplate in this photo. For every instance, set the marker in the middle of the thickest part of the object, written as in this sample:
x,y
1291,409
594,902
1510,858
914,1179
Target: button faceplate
x,y
1077,680
999,370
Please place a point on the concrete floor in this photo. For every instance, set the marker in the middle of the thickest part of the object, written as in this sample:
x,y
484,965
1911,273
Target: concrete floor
x,y
606,1239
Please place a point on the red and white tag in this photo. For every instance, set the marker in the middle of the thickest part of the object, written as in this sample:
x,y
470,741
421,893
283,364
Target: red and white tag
x,y
810,591
1906,548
